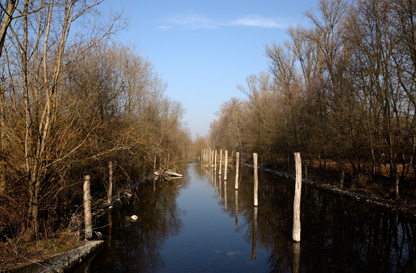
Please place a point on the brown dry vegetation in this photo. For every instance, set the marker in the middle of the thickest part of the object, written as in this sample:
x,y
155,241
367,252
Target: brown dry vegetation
x,y
70,102
341,92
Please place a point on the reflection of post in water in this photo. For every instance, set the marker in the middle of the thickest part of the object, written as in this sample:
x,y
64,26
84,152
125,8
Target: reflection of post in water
x,y
110,228
236,208
253,246
154,184
296,257
225,194
220,188
219,164
215,161
215,183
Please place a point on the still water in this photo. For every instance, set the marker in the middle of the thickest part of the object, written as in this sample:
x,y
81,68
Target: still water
x,y
200,223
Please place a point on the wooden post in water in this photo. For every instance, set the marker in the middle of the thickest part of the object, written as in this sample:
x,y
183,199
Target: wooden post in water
x,y
87,208
296,202
154,163
110,182
253,246
237,162
219,164
256,181
225,164
342,175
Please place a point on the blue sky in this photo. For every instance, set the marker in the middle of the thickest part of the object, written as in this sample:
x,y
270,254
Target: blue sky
x,y
204,49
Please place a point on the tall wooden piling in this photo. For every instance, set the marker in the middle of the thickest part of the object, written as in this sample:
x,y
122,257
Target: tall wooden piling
x,y
87,207
225,164
110,182
237,162
296,202
256,181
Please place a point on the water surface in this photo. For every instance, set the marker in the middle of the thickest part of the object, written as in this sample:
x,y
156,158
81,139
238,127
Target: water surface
x,y
202,224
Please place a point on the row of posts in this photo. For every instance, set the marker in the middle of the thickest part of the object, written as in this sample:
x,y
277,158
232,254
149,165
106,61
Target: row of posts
x,y
208,155
87,199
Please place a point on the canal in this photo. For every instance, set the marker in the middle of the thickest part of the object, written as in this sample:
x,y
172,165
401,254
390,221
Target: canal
x,y
200,223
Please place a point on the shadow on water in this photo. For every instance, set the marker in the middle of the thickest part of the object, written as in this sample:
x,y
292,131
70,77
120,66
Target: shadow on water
x,y
338,234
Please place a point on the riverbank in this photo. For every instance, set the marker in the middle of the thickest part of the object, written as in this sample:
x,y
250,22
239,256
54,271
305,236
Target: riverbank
x,y
17,253
369,195
60,262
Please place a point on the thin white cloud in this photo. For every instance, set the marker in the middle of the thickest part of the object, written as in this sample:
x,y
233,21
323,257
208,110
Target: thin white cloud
x,y
165,27
192,22
259,21
202,22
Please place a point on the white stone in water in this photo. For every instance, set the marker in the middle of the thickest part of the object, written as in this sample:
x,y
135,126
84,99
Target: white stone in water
x,y
134,217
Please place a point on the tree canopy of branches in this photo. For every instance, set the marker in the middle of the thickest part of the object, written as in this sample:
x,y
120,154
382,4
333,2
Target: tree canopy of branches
x,y
341,90
70,102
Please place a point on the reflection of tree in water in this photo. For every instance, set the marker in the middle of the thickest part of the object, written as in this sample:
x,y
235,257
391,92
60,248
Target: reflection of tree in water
x,y
135,246
338,234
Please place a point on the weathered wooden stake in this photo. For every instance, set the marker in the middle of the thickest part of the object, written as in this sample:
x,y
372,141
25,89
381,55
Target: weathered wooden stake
x,y
253,246
256,181
296,202
225,164
237,162
87,208
220,163
154,163
110,182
